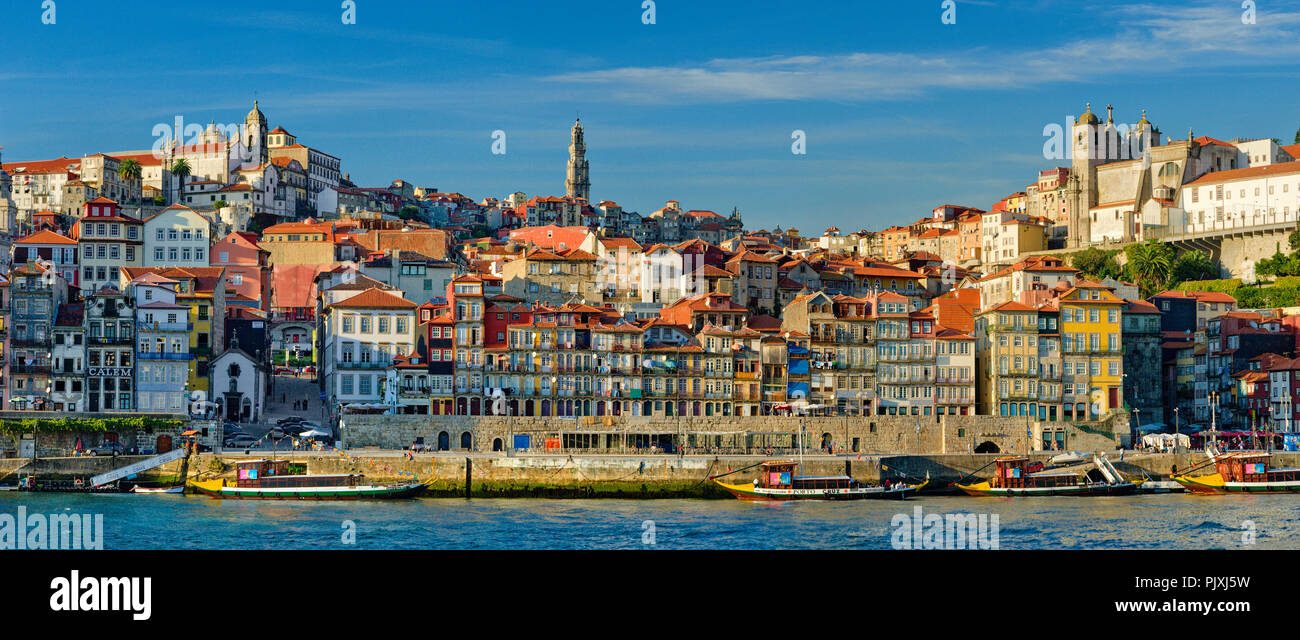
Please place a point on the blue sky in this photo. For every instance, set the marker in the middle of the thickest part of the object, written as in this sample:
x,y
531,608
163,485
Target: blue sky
x,y
902,113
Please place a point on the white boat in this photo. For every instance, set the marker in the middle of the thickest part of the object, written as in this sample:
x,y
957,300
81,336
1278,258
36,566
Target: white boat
x,y
1069,457
173,490
9,487
1160,486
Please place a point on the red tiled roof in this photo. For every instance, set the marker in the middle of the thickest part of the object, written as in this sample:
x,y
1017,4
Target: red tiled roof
x,y
1281,168
375,299
46,237
1200,296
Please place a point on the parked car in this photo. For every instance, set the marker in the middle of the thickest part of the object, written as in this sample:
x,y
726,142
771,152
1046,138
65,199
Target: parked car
x,y
289,420
108,449
241,440
282,370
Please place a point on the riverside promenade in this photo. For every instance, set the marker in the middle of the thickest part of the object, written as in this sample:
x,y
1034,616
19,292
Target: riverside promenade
x,y
508,474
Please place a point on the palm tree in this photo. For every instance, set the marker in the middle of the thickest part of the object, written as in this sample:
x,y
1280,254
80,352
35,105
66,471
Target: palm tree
x,y
129,170
180,169
1150,264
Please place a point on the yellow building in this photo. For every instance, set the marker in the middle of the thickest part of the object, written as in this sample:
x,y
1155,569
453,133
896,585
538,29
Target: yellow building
x,y
1092,351
203,290
1007,359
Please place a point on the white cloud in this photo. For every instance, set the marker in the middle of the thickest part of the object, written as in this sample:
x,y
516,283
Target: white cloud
x,y
1170,40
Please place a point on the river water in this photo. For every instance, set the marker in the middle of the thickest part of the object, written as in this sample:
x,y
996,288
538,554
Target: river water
x,y
1173,521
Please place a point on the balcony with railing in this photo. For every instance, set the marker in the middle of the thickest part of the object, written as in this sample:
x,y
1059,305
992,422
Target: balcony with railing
x,y
1021,372
29,341
949,379
102,341
29,369
357,365
164,326
162,355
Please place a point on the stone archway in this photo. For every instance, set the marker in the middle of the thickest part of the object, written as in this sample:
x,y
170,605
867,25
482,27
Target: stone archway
x,y
988,446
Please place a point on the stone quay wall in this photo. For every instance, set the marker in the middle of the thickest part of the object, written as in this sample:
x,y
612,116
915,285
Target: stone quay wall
x,y
726,435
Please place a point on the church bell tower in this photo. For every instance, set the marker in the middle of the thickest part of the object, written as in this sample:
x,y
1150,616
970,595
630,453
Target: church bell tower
x,y
578,182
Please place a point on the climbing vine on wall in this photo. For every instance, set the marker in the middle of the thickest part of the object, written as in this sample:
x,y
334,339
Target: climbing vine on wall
x,y
53,425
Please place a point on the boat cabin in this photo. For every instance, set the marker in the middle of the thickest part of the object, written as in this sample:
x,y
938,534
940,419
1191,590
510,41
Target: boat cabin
x,y
780,475
777,475
274,474
1011,474
1252,467
248,473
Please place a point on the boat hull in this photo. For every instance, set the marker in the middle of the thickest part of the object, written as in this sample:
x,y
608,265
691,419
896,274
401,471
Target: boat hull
x,y
760,494
218,489
167,490
1214,484
983,489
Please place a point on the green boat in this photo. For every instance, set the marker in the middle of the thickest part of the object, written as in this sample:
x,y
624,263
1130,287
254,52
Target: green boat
x,y
267,480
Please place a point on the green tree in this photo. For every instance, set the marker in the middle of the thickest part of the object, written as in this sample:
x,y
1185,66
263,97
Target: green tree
x,y
1297,136
1192,265
1150,265
409,212
1096,264
129,170
181,169
1293,239
220,204
1279,264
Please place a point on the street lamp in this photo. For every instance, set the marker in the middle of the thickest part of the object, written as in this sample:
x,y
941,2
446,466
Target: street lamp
x,y
1213,401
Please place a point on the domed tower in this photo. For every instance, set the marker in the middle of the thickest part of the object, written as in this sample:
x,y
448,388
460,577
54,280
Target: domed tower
x,y
254,135
578,182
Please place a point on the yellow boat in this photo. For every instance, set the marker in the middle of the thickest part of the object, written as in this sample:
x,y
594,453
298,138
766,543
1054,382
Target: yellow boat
x,y
266,480
777,481
1011,479
1241,473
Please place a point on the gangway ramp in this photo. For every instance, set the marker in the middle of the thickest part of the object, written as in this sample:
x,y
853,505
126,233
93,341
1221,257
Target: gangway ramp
x,y
137,467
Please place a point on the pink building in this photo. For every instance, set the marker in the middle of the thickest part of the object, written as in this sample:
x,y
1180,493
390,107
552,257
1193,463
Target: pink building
x,y
247,269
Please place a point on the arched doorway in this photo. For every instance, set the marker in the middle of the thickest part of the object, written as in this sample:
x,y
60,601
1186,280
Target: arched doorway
x,y
163,444
988,447
444,441
466,441
496,444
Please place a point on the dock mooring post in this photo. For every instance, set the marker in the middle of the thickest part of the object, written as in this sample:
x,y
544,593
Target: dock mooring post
x,y
469,476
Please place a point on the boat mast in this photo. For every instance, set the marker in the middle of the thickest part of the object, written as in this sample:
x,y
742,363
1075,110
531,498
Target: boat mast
x,y
802,429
